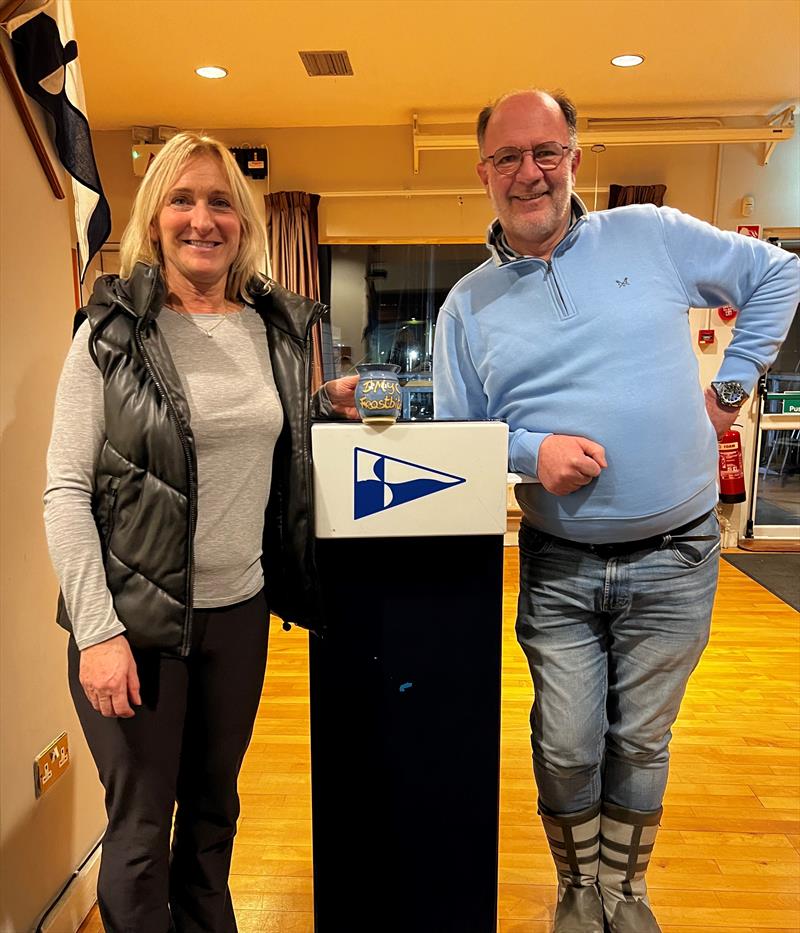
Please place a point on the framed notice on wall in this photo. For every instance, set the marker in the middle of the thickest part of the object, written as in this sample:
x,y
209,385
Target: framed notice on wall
x,y
753,230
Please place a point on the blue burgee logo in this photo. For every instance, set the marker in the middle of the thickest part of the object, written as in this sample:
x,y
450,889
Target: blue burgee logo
x,y
383,482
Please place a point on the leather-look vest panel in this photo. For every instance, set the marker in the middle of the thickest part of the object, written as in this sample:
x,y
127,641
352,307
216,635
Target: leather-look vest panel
x,y
144,486
288,544
140,418
144,483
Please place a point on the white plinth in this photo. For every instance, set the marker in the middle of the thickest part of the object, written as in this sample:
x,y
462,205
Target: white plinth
x,y
410,479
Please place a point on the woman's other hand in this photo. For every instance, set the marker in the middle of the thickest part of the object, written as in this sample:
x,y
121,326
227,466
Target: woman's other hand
x,y
341,393
109,678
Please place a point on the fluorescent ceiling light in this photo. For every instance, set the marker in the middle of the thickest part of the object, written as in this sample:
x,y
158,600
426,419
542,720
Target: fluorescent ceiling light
x,y
627,61
211,71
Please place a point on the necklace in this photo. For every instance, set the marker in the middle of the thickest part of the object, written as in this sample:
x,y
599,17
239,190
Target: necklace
x,y
208,331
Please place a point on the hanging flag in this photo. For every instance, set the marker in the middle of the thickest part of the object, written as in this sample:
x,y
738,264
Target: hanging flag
x,y
49,72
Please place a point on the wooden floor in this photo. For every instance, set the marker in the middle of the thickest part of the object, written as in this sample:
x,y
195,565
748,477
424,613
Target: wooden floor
x,y
727,859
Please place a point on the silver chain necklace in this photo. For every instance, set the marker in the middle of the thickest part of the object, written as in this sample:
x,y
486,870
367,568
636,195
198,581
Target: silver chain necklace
x,y
208,331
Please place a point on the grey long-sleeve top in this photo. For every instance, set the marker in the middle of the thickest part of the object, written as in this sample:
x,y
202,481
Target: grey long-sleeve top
x,y
236,418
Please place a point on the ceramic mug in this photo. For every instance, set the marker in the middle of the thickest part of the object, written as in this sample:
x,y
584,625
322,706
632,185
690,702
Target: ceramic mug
x,y
378,396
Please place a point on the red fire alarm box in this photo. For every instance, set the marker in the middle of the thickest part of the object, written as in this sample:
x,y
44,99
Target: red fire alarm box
x,y
705,338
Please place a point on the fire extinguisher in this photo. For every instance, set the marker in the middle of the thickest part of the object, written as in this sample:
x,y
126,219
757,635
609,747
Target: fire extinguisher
x,y
731,468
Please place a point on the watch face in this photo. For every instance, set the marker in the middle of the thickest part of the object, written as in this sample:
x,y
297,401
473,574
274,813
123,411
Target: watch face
x,y
730,393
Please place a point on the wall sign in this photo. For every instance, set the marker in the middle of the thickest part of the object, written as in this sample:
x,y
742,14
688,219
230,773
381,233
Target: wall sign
x,y
753,230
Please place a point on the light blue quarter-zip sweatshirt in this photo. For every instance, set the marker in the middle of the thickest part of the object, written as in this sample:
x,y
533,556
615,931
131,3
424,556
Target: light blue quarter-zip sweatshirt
x,y
596,343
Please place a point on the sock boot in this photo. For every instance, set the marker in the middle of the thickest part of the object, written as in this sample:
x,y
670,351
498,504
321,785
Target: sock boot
x,y
626,843
574,845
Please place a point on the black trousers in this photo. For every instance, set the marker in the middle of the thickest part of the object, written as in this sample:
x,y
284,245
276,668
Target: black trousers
x,y
183,747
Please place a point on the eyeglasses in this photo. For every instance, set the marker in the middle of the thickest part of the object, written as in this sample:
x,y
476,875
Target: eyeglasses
x,y
508,160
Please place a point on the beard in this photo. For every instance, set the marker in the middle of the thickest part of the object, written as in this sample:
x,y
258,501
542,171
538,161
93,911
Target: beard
x,y
531,227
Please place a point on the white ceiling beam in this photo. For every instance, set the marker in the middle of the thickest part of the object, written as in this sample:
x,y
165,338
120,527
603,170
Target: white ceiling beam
x,y
629,136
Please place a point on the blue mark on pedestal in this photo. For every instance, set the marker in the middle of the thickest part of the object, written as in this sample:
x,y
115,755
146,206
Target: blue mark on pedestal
x,y
382,482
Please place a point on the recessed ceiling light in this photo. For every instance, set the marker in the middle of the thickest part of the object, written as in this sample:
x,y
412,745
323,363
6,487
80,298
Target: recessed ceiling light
x,y
627,61
211,71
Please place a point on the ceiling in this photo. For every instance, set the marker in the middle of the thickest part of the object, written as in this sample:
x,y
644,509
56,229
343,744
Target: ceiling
x,y
443,59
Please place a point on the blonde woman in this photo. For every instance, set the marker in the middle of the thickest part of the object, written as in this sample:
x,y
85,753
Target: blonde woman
x,y
177,513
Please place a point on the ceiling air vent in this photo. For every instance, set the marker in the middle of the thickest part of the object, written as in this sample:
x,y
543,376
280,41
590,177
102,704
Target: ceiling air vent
x,y
327,64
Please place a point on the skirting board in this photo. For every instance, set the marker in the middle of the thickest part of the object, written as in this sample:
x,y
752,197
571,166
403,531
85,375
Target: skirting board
x,y
72,908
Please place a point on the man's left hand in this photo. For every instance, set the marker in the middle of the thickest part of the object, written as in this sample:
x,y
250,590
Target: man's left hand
x,y
341,393
721,418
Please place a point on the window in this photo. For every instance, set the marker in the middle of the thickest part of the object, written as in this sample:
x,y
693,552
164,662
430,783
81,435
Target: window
x,y
384,301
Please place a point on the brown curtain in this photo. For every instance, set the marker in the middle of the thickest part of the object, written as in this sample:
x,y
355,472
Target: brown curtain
x,y
292,241
636,194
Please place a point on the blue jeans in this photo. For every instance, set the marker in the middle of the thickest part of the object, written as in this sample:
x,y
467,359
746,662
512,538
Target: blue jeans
x,y
611,643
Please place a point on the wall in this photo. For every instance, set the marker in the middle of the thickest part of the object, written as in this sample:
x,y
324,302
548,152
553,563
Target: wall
x,y
337,159
775,186
349,297
689,173
36,297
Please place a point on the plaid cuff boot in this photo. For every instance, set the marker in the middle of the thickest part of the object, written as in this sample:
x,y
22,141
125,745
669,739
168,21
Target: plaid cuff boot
x,y
574,840
626,843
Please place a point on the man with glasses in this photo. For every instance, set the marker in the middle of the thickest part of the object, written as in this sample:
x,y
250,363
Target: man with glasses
x,y
576,333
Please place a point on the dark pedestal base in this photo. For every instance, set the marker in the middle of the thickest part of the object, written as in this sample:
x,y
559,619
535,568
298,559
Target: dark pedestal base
x,y
405,715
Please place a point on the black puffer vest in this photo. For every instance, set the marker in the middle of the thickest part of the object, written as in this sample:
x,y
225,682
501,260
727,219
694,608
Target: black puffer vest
x,y
145,497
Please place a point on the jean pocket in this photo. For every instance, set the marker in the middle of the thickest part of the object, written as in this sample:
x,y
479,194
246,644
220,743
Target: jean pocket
x,y
695,553
533,543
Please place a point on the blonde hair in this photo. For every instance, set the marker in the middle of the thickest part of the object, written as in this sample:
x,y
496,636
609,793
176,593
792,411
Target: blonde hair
x,y
137,244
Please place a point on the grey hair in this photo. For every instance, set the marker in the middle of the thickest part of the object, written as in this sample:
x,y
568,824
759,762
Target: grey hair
x,y
566,106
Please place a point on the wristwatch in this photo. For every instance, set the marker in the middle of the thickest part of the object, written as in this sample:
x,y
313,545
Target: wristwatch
x,y
731,395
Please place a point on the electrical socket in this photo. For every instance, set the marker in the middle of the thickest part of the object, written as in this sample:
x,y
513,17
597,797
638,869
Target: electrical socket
x,y
50,764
